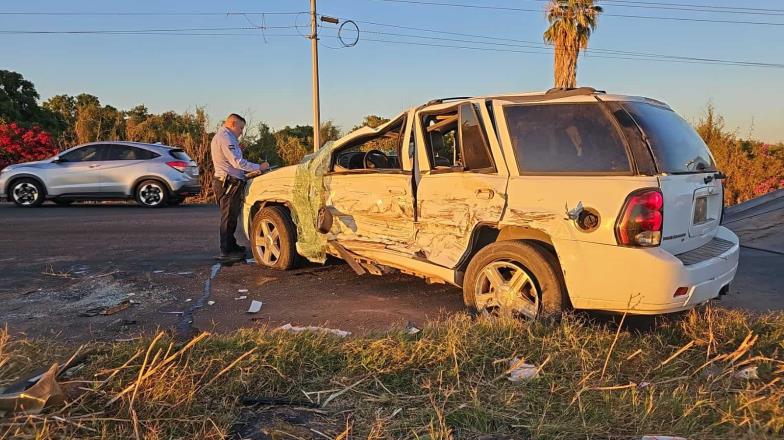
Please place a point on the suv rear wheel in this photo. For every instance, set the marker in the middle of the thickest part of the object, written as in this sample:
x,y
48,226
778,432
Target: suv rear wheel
x,y
273,239
152,194
27,193
515,278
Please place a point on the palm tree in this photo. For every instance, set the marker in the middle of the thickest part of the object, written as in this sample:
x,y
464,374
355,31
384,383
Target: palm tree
x,y
571,24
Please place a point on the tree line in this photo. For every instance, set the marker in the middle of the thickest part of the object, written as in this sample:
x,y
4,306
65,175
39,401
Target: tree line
x,y
33,131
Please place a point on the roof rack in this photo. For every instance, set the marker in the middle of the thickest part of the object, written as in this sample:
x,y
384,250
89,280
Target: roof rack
x,y
442,100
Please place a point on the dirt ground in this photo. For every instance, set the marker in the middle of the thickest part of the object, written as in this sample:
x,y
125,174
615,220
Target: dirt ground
x,y
113,272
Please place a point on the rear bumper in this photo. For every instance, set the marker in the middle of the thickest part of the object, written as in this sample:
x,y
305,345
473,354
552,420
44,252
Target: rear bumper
x,y
644,281
188,190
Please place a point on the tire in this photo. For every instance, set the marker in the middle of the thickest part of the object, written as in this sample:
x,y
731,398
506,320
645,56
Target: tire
x,y
27,193
64,202
540,289
151,194
273,231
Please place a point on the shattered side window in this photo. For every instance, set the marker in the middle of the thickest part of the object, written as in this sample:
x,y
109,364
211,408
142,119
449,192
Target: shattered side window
x,y
565,138
442,141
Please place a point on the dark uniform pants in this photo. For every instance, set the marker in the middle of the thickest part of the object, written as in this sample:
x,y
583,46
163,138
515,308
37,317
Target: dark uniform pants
x,y
230,202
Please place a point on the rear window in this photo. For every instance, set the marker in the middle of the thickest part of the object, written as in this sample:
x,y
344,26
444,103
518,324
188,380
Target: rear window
x,y
565,138
677,147
180,155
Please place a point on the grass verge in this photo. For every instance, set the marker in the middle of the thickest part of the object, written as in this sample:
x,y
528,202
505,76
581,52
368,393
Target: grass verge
x,y
448,381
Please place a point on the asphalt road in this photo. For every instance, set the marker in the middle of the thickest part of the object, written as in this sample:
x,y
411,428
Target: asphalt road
x,y
112,271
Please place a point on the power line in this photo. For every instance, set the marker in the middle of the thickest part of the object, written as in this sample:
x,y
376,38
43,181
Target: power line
x,y
541,45
515,9
162,14
142,31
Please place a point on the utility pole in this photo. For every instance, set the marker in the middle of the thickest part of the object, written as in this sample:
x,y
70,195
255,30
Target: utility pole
x,y
314,56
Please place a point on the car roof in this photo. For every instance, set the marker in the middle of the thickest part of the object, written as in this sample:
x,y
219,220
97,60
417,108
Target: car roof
x,y
580,94
159,148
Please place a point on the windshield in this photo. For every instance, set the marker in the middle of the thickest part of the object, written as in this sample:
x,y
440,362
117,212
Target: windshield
x,y
678,149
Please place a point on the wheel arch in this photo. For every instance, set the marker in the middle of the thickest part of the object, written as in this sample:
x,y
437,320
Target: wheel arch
x,y
139,180
258,205
16,177
486,234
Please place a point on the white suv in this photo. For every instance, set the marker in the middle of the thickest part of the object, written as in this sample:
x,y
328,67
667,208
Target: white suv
x,y
532,203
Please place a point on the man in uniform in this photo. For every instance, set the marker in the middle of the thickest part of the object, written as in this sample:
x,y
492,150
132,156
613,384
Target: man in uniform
x,y
229,181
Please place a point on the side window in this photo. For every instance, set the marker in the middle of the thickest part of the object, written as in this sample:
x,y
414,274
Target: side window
x,y
84,154
381,152
442,140
565,138
126,152
473,139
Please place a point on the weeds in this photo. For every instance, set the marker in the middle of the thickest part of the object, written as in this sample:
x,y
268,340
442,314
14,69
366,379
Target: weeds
x,y
449,381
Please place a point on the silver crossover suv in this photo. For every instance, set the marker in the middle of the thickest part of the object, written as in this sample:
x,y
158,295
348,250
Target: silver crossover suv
x,y
153,174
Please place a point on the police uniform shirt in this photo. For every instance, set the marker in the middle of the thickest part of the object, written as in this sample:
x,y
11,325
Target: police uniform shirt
x,y
227,157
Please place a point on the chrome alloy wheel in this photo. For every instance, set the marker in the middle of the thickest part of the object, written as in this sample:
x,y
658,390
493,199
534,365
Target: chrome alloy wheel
x,y
268,242
507,286
25,193
151,194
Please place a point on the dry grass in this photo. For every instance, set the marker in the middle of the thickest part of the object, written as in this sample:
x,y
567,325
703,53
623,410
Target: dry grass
x,y
449,381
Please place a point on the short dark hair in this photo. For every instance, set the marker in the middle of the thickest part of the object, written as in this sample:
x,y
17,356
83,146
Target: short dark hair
x,y
234,115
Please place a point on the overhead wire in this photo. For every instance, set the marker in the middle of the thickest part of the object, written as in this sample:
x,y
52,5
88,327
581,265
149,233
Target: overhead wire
x,y
516,9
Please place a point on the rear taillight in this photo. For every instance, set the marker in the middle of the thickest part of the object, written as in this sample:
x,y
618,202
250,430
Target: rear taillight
x,y
640,222
179,165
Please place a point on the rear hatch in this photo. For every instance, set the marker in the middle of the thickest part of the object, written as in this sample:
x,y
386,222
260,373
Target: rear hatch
x,y
693,193
192,170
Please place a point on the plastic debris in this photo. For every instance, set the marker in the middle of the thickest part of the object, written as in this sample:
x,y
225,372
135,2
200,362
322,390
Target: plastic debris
x,y
157,271
242,290
250,261
255,306
747,373
412,329
188,300
312,328
241,297
520,371
209,303
184,273
35,394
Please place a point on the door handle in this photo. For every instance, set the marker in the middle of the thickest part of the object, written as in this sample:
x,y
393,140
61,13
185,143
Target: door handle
x,y
484,193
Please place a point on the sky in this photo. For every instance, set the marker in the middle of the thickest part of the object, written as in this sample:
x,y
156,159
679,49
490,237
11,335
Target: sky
x,y
267,75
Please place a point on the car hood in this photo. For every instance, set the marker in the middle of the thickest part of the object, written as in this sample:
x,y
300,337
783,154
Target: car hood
x,y
33,164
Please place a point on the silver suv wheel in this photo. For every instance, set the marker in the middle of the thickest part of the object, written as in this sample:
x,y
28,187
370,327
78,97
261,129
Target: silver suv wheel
x,y
27,193
151,194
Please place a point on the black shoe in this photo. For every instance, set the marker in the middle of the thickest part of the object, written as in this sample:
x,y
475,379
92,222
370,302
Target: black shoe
x,y
229,257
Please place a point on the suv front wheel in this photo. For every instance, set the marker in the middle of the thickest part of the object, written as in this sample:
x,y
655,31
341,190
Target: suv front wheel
x,y
515,278
274,238
27,193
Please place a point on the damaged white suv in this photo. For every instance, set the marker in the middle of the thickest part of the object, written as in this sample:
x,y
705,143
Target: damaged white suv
x,y
532,203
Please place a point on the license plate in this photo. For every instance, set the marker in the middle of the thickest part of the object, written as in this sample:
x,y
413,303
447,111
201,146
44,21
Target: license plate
x,y
700,210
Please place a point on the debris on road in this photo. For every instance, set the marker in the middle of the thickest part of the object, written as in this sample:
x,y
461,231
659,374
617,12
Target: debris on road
x,y
185,273
241,297
747,373
242,290
250,261
188,300
209,303
110,310
157,271
255,306
412,329
312,328
520,371
32,399
661,437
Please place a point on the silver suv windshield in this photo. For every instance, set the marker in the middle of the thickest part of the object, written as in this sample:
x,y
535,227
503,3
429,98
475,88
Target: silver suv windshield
x,y
677,147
